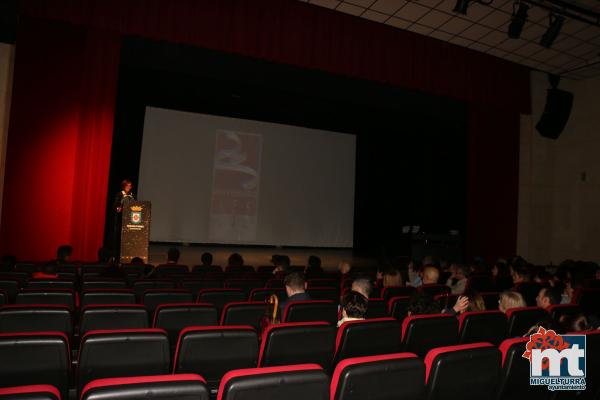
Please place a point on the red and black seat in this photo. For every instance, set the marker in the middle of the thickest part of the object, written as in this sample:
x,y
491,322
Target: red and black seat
x,y
215,350
220,297
244,313
521,319
293,382
490,299
107,296
10,287
560,311
110,317
446,300
468,371
324,293
482,326
367,338
35,318
30,392
51,284
168,270
173,318
397,291
3,298
377,308
514,373
298,343
245,284
196,285
322,282
122,353
398,307
35,358
390,376
91,284
57,297
140,286
265,293
311,310
433,289
421,333
587,298
158,387
153,298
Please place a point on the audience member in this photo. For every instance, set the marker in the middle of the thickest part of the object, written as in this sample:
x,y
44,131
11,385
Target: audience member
x,y
173,255
206,259
63,254
363,286
509,299
313,267
422,304
295,288
431,275
414,274
344,267
104,255
354,307
548,296
458,278
235,260
392,278
48,271
282,266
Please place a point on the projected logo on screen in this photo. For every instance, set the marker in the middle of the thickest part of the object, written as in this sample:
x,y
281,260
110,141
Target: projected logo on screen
x,y
236,172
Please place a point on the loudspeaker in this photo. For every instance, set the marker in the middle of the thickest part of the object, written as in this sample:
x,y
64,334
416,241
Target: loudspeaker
x,y
556,114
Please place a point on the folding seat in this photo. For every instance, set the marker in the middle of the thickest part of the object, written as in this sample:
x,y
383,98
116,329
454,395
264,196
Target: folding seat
x,y
3,298
244,313
467,371
421,333
521,319
367,338
195,285
377,308
51,284
215,350
20,277
173,318
592,338
201,269
482,326
310,310
111,317
215,276
265,268
152,298
166,270
245,284
135,270
490,299
391,376
67,276
158,387
274,283
68,268
588,299
398,307
30,392
25,267
35,358
220,297
107,296
10,288
434,290
92,268
140,286
322,282
324,293
396,291
293,382
559,311
446,300
376,293
91,284
298,343
35,318
122,353
232,271
514,373
263,294
58,297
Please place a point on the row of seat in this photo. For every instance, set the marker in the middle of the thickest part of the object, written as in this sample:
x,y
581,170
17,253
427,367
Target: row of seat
x,y
474,371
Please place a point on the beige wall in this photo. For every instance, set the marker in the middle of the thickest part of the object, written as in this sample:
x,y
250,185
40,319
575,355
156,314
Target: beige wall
x,y
7,55
559,183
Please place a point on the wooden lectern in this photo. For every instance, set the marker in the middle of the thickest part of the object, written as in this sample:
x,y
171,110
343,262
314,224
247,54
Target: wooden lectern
x,y
135,230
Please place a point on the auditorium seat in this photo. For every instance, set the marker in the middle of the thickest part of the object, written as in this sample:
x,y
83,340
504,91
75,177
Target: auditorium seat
x,y
293,382
265,268
122,353
322,282
297,343
244,313
446,300
515,371
468,371
220,297
245,284
521,319
215,350
558,311
107,296
35,318
384,377
397,291
10,287
91,284
587,299
25,267
35,358
482,326
167,270
367,338
57,297
421,333
311,310
195,285
377,308
157,387
3,298
51,284
140,286
30,392
324,293
490,299
111,317
263,294
275,283
434,289
135,270
398,307
153,298
92,268
202,269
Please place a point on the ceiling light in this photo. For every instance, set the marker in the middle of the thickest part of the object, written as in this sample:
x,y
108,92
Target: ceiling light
x,y
556,23
461,6
519,17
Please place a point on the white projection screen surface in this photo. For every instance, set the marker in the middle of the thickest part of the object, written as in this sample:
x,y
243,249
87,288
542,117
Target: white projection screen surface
x,y
214,179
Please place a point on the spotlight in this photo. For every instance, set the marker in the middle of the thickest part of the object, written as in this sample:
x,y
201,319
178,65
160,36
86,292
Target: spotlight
x,y
519,17
556,23
461,6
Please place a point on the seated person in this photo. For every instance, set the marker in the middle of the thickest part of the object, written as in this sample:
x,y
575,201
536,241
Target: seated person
x,y
295,288
476,302
548,296
458,278
63,254
392,278
344,267
363,286
314,267
509,299
48,271
206,259
430,275
282,266
423,304
414,274
354,307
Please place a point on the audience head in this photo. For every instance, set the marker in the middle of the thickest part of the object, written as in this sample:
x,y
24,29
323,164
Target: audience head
x,y
520,272
206,259
431,275
421,304
344,267
476,302
63,253
173,255
510,299
572,285
461,271
235,260
548,296
392,277
354,305
104,255
314,263
577,323
500,269
294,283
363,286
137,261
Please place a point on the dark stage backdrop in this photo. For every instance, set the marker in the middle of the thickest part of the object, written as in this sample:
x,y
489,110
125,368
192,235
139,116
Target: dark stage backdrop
x,y
64,97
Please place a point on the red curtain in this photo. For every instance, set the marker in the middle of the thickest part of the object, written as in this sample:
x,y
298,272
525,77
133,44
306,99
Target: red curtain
x,y
66,76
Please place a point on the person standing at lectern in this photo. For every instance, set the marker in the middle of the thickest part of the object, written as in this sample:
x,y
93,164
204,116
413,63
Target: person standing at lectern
x,y
123,197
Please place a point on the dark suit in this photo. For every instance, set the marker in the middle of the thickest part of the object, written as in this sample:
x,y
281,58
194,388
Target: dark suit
x,y
296,297
121,201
